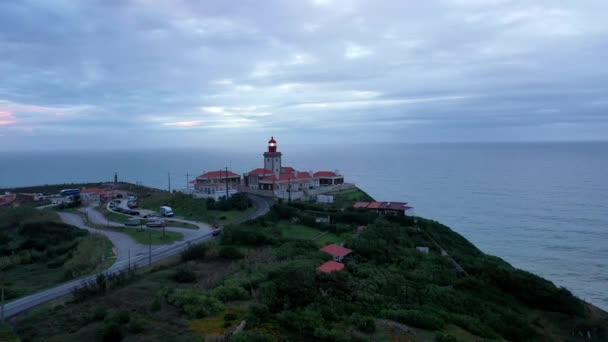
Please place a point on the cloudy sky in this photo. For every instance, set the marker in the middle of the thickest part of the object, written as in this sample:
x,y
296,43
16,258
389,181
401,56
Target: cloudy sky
x,y
105,73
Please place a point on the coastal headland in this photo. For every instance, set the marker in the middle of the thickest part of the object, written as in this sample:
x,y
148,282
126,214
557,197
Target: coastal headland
x,y
290,270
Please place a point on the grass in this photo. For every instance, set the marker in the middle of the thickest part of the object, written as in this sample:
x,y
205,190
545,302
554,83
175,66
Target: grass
x,y
179,224
346,198
92,254
123,218
300,232
217,324
187,207
145,236
76,321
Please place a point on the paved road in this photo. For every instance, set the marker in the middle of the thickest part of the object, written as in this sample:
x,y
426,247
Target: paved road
x,y
122,242
262,205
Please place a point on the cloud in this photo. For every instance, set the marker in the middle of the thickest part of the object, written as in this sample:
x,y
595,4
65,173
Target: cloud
x,y
450,69
6,118
355,51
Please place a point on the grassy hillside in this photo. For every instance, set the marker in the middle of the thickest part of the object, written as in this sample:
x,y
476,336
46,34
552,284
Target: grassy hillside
x,y
205,210
37,251
264,273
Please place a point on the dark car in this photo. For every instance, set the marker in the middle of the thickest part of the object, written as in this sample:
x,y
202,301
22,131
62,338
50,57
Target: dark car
x,y
120,209
132,205
216,231
132,212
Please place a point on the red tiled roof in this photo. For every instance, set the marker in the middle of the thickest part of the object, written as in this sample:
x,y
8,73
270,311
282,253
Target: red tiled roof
x,y
303,175
7,199
217,174
287,176
287,169
325,174
260,171
394,205
360,204
282,177
374,205
336,250
330,266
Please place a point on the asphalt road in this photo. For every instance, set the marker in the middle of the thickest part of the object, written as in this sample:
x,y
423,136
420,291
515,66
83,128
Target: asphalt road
x,y
123,243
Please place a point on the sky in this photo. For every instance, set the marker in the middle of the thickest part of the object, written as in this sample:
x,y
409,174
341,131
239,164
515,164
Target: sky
x,y
151,73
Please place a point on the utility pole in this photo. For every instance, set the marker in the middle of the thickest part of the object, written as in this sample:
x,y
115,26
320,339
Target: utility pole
x,y
2,305
149,247
187,180
169,180
226,183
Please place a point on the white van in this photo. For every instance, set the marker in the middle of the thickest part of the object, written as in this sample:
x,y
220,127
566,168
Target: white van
x,y
166,211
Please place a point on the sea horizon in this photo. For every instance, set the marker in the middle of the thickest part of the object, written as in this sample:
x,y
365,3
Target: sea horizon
x,y
539,205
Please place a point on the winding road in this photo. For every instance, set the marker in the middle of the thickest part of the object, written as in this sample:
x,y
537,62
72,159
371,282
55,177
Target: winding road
x,y
125,247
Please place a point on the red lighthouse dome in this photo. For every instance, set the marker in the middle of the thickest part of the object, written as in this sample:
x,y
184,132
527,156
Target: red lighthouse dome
x,y
272,145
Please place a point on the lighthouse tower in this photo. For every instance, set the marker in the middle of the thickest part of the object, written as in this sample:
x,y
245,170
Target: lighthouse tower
x,y
272,158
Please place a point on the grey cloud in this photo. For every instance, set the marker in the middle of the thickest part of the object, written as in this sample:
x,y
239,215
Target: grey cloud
x,y
150,67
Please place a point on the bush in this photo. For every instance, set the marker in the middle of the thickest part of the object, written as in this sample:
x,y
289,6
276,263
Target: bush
x,y
417,318
364,323
230,292
230,252
111,332
248,235
184,274
136,326
194,252
119,317
99,313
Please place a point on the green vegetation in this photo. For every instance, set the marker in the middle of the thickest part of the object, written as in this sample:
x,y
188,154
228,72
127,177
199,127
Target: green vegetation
x,y
346,198
37,251
222,212
387,291
123,218
7,334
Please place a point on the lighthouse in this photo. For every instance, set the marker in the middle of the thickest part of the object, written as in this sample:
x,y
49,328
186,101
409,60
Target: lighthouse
x,y
272,158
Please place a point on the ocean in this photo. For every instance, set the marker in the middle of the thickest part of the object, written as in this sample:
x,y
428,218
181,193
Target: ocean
x,y
542,207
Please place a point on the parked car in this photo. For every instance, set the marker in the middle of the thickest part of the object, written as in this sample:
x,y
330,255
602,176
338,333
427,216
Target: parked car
x,y
152,215
132,212
155,223
120,210
132,205
216,231
135,221
166,211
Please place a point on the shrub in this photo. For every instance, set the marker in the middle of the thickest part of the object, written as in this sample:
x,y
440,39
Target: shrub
x,y
230,292
194,252
230,252
184,274
99,313
136,326
364,323
111,332
417,318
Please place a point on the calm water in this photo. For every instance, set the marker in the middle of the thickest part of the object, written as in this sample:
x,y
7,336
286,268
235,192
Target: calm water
x,y
542,207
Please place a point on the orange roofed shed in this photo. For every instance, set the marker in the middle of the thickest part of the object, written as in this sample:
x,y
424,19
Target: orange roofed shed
x,y
338,252
330,266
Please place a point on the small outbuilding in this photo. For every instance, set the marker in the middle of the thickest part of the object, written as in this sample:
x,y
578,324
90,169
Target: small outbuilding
x,y
330,266
337,252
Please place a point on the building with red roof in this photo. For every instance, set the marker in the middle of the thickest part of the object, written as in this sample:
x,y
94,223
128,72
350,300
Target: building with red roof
x,y
338,252
386,208
8,200
217,184
327,178
286,182
330,266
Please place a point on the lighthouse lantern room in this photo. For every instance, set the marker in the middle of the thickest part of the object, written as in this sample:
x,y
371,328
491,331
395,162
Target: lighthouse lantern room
x,y
272,158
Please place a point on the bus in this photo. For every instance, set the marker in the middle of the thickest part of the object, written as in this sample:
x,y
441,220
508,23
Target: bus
x,y
69,192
